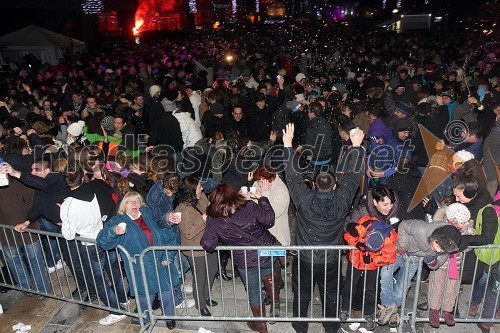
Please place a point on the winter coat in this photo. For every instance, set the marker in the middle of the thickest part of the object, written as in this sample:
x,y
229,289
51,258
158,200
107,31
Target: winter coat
x,y
405,185
413,238
212,124
259,123
165,129
192,225
369,209
135,241
490,219
161,205
280,200
191,133
16,200
319,138
367,259
254,219
320,215
491,161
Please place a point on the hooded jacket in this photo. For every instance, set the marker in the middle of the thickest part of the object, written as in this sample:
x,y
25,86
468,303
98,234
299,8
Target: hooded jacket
x,y
490,219
369,209
321,215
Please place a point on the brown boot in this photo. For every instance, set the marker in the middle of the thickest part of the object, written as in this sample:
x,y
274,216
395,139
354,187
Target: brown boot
x,y
259,326
273,291
473,307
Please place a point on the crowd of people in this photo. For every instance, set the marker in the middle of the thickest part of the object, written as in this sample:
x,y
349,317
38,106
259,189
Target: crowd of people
x,y
213,139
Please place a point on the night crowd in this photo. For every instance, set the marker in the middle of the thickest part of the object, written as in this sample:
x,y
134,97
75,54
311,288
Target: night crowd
x,y
219,138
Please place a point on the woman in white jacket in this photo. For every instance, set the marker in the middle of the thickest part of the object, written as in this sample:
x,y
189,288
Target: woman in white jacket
x,y
279,198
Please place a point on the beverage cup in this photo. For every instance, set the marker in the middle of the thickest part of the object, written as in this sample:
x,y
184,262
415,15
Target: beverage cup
x,y
123,225
179,214
244,190
393,220
253,190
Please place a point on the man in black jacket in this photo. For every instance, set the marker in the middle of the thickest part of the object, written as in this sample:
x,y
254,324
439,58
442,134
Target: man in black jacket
x,y
320,216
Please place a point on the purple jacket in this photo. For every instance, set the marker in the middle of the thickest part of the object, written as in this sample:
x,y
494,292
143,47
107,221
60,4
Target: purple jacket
x,y
254,219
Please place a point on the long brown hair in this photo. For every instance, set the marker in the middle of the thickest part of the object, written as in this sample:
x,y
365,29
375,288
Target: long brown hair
x,y
224,201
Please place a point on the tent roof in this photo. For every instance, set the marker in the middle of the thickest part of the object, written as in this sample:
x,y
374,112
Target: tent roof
x,y
35,37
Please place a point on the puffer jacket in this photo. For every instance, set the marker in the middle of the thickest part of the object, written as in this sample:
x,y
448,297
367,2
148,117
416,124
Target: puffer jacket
x,y
367,259
191,132
254,219
413,238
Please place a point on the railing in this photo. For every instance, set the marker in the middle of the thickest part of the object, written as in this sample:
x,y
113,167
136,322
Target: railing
x,y
27,271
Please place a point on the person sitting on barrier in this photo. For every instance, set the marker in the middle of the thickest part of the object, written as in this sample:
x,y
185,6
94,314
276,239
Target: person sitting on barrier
x,y
444,283
191,206
376,247
416,238
234,221
81,215
134,229
486,222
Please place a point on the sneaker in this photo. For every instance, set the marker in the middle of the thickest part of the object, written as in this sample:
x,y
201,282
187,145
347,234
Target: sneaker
x,y
370,322
59,265
423,306
473,307
344,316
394,320
434,318
111,319
187,289
185,304
449,319
125,305
385,312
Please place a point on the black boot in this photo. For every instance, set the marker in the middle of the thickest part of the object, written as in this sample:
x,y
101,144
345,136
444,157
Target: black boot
x,y
223,265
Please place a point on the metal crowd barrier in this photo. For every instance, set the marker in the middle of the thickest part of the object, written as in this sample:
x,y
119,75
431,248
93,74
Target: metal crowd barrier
x,y
29,274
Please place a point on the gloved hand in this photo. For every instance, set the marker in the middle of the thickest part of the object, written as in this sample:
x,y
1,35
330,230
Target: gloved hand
x,y
431,207
430,260
361,246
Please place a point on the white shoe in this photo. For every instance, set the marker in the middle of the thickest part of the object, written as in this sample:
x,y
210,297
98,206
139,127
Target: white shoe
x,y
187,289
125,305
111,319
186,304
59,265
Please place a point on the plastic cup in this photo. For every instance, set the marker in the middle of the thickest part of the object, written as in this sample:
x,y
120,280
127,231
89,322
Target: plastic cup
x,y
179,214
123,225
244,190
253,190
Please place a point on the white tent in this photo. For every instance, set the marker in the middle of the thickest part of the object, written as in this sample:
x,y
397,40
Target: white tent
x,y
46,45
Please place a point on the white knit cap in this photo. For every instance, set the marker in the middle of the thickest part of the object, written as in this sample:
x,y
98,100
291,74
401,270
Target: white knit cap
x,y
462,156
76,129
154,89
299,77
458,213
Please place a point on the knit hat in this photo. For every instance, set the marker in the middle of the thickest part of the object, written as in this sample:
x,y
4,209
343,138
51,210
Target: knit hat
x,y
170,94
376,234
294,106
448,238
461,157
380,130
154,89
457,213
76,129
217,108
449,93
299,77
108,123
405,108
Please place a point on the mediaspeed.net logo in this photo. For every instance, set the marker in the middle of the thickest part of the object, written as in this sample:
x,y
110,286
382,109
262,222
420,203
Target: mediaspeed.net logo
x,y
442,159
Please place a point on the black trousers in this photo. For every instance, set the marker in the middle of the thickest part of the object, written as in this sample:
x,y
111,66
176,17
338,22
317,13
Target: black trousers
x,y
302,296
361,293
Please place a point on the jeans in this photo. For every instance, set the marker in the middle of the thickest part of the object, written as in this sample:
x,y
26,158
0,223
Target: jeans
x,y
302,296
480,285
490,305
252,280
73,257
27,266
392,292
180,259
166,304
94,260
49,243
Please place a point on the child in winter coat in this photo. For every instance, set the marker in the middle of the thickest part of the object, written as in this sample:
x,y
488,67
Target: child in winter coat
x,y
445,281
376,246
